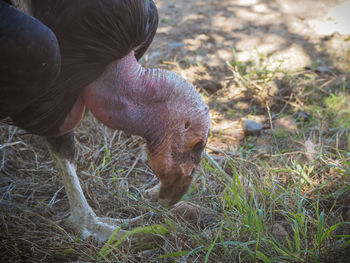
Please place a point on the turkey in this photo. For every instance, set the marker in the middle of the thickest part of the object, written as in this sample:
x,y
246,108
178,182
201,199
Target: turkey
x,y
61,57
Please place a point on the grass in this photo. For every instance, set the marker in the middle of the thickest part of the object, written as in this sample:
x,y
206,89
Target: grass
x,y
282,196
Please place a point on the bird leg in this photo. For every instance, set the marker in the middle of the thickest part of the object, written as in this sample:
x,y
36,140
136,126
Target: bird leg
x,y
82,217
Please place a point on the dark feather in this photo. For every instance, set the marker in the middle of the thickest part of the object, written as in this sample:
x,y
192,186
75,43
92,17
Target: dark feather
x,y
91,34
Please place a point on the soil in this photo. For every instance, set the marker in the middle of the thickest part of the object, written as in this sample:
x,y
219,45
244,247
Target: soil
x,y
206,32
197,39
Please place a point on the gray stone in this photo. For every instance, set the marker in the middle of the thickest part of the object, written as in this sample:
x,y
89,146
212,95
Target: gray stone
x,y
251,127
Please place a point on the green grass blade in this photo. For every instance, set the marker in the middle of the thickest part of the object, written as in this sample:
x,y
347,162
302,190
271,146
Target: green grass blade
x,y
147,230
213,244
262,257
176,254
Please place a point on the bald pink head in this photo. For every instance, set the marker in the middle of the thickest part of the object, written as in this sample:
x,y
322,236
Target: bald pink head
x,y
175,158
160,106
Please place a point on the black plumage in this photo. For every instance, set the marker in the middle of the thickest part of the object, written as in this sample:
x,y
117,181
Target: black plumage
x,y
90,35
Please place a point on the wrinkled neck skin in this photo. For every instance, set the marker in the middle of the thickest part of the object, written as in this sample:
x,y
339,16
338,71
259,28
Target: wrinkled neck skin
x,y
138,101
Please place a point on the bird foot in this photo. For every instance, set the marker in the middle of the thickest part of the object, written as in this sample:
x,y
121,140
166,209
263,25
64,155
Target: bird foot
x,y
83,220
104,229
99,228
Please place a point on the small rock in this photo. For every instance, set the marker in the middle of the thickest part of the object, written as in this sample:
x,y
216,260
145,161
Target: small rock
x,y
251,127
322,69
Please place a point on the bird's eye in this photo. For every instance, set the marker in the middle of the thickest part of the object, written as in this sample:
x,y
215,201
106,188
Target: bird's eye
x,y
187,125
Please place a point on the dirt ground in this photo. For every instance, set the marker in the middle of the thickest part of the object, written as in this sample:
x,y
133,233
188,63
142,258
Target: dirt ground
x,y
198,39
206,32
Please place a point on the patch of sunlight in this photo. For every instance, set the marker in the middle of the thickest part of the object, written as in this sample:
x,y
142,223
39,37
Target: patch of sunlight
x,y
192,17
261,8
334,108
337,19
290,59
246,2
249,46
256,16
164,29
338,107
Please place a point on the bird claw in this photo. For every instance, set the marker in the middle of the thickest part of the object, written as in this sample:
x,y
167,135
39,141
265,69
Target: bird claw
x,y
100,229
117,221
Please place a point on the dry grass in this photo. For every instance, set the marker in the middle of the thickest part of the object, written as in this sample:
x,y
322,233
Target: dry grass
x,y
286,199
280,196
